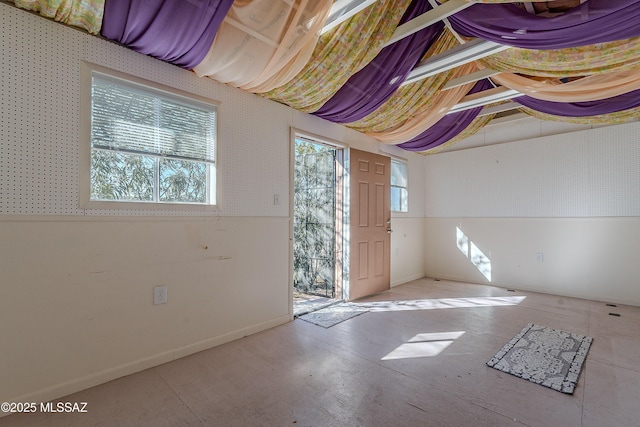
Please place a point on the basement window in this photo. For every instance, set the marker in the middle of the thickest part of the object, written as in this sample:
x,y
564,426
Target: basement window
x,y
399,192
150,144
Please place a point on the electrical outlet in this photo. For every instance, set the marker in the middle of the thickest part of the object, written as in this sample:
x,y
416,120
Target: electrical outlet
x,y
539,257
160,295
276,200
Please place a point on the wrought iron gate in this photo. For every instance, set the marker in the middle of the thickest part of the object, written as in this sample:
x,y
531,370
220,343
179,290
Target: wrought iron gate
x,y
314,226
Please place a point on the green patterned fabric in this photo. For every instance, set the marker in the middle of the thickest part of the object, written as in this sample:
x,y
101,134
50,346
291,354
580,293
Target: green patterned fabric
x,y
602,119
86,14
340,53
620,55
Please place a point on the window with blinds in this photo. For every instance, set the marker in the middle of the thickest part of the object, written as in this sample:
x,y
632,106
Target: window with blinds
x,y
150,145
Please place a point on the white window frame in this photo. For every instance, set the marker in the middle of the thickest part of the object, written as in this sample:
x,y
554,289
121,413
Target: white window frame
x,y
87,72
406,167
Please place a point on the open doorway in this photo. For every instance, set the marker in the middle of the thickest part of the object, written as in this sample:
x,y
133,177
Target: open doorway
x,y
317,224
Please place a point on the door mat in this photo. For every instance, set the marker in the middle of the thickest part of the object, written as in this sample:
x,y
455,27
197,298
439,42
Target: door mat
x,y
545,356
332,315
310,303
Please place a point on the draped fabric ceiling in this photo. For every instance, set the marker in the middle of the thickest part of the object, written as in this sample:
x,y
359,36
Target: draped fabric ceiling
x,y
577,61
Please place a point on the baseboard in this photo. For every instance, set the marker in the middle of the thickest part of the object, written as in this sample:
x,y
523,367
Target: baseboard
x,y
548,291
79,384
407,279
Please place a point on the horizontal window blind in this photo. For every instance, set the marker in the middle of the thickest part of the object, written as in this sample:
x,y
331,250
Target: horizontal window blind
x,y
140,120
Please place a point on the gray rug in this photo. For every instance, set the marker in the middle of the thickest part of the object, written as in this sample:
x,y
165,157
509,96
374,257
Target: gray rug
x,y
545,356
330,316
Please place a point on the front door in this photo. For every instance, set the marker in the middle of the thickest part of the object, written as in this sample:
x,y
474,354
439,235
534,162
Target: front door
x,y
370,252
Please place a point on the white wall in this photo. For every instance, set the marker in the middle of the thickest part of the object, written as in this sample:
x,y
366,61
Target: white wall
x,y
407,249
573,197
76,284
76,297
407,243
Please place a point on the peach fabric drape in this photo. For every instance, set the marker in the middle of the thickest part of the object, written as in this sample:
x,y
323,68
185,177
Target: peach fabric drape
x,y
591,88
258,39
620,55
86,14
339,54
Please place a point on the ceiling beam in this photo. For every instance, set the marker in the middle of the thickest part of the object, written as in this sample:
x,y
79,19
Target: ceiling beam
x,y
343,10
428,18
453,58
485,97
470,78
499,108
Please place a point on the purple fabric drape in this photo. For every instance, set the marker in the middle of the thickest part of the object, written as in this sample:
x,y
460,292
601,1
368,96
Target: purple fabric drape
x,y
180,32
447,127
595,21
583,109
366,90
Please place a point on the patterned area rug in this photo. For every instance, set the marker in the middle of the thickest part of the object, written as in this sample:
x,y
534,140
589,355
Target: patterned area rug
x,y
545,356
330,316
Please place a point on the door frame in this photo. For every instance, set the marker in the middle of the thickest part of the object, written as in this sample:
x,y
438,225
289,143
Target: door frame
x,y
342,210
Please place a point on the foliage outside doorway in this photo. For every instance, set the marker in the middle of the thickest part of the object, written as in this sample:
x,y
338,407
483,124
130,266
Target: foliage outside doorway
x,y
314,229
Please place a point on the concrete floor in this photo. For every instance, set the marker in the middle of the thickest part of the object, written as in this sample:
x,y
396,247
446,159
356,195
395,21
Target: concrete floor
x,y
305,303
365,372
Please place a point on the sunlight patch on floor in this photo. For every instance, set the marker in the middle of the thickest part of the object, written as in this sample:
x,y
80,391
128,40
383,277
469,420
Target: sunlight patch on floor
x,y
424,345
440,303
